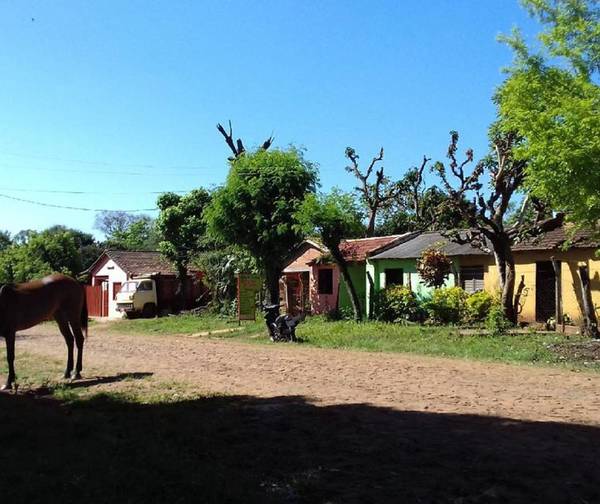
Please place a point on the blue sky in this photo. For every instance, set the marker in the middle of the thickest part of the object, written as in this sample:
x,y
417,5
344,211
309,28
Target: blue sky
x,y
120,99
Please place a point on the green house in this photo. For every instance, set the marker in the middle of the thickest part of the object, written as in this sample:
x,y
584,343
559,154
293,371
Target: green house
x,y
397,265
355,253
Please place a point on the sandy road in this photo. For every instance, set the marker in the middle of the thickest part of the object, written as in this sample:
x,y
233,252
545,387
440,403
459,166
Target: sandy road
x,y
399,381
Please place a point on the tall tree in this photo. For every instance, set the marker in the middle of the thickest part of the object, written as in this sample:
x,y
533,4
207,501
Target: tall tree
x,y
375,195
485,212
552,100
334,217
256,208
237,147
125,231
51,251
182,231
5,240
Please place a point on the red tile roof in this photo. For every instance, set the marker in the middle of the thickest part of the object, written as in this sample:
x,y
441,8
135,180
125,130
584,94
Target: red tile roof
x,y
358,249
137,262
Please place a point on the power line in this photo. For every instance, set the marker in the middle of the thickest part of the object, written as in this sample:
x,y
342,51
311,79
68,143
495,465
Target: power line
x,y
128,193
102,172
65,207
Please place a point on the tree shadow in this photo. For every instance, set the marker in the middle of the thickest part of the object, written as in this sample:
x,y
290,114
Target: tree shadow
x,y
285,450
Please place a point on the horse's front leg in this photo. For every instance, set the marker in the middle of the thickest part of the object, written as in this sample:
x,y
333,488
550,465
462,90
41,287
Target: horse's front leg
x,y
10,357
79,340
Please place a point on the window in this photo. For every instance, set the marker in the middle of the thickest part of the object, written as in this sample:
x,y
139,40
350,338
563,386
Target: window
x,y
116,289
394,276
325,281
146,285
471,279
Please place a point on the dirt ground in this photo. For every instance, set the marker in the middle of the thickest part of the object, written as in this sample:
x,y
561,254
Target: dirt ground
x,y
325,376
303,425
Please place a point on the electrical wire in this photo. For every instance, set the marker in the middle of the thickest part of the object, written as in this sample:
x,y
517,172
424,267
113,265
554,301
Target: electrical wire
x,y
56,191
66,207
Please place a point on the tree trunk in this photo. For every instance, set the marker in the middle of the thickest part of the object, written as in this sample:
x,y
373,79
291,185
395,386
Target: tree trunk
x,y
371,225
181,293
506,270
591,321
356,309
272,276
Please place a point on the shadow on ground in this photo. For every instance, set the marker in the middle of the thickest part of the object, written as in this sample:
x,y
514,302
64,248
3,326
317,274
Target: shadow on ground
x,y
284,449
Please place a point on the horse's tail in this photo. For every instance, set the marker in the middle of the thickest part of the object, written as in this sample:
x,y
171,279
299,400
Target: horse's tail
x,y
84,314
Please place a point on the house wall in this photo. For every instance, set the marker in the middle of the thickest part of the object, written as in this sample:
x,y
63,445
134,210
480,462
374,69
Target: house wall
x,y
323,303
376,268
115,274
525,265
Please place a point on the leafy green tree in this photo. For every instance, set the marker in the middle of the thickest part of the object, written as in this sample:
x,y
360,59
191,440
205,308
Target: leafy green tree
x,y
256,208
552,100
220,265
52,250
334,217
5,240
125,231
89,248
182,230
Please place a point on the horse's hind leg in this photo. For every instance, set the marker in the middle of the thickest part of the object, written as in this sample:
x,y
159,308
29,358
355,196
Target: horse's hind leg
x,y
10,357
76,327
63,325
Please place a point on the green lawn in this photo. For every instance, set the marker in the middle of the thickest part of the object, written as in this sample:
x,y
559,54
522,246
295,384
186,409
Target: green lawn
x,y
182,324
532,348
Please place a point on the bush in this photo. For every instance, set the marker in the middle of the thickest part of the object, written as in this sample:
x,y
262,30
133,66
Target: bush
x,y
478,306
434,267
396,304
447,305
496,323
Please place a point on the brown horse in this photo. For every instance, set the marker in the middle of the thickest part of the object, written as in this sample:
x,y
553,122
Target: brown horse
x,y
27,304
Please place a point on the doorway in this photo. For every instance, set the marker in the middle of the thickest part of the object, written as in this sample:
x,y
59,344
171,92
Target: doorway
x,y
545,291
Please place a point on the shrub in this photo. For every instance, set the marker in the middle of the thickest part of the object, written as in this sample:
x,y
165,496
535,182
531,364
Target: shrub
x,y
434,267
447,305
478,306
496,323
396,304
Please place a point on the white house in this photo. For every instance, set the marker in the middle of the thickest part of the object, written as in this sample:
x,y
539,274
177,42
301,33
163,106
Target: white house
x,y
115,267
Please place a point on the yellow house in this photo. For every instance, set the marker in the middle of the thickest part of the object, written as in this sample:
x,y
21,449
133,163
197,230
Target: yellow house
x,y
533,264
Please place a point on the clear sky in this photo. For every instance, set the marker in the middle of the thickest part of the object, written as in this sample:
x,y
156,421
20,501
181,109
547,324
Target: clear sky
x,y
120,99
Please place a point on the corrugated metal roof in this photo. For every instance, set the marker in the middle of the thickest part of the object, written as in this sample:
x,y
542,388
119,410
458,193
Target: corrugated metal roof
x,y
556,238
413,248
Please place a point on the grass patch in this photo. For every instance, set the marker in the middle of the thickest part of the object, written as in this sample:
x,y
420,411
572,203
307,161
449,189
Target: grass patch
x,y
530,348
181,324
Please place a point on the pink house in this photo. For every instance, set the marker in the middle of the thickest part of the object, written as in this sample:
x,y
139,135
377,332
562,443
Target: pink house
x,y
311,285
307,286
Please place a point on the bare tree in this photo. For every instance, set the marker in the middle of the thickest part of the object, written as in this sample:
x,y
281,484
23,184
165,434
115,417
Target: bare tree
x,y
237,147
486,213
411,190
374,195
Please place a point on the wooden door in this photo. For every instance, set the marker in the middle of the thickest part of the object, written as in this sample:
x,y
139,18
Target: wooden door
x,y
93,296
545,291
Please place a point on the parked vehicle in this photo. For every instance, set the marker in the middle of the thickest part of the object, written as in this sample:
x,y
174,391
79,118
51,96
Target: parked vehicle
x,y
281,327
138,297
152,295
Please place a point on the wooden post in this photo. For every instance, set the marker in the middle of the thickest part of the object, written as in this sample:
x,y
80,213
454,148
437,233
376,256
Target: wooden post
x,y
519,293
558,294
591,321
